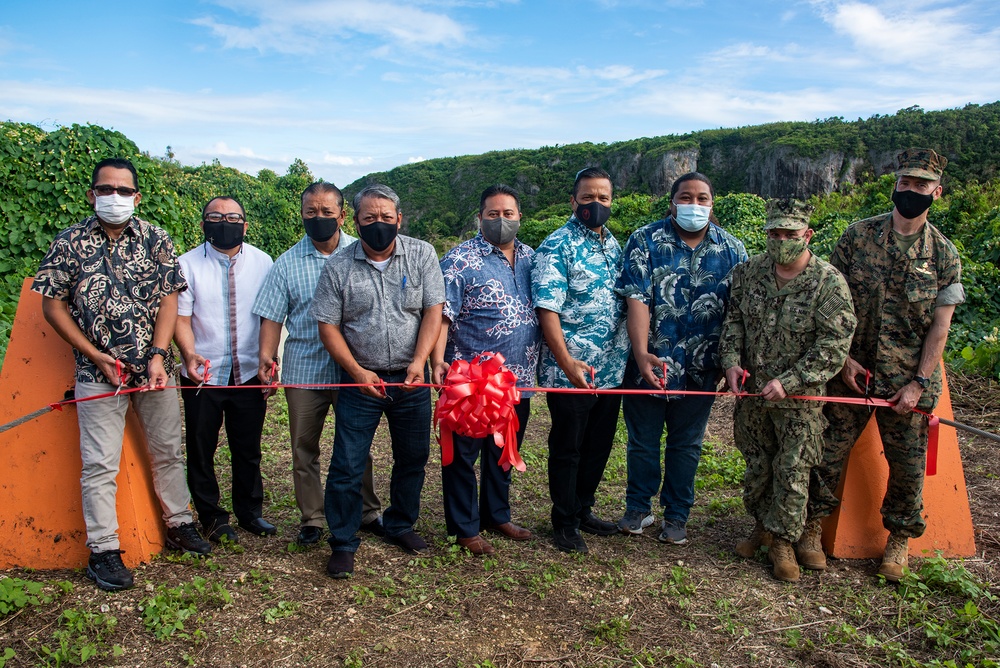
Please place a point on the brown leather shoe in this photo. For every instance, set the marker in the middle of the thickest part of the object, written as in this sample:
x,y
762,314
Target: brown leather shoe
x,y
477,545
510,530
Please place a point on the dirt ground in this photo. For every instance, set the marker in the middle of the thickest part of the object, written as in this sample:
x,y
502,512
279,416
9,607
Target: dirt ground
x,y
632,601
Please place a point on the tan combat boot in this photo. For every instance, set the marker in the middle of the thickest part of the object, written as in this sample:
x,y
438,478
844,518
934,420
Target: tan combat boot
x,y
895,557
782,556
809,549
760,536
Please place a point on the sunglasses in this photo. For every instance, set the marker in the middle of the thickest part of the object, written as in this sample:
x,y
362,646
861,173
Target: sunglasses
x,y
109,190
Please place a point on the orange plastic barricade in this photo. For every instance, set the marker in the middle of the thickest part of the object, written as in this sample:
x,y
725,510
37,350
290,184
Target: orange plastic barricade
x,y
41,519
854,530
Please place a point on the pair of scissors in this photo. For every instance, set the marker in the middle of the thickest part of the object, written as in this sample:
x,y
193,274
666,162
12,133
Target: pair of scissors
x,y
122,377
205,376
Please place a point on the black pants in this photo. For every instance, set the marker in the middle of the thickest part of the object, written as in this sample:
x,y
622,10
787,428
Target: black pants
x,y
462,514
583,430
242,410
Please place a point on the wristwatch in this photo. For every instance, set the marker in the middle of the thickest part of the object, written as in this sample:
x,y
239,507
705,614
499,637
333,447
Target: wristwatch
x,y
924,383
158,351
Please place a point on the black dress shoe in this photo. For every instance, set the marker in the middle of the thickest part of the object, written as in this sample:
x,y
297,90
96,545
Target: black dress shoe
x,y
309,535
374,527
410,542
223,532
569,540
341,565
591,523
259,527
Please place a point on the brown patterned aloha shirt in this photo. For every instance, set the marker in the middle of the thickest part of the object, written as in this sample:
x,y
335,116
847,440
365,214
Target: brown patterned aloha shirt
x,y
113,288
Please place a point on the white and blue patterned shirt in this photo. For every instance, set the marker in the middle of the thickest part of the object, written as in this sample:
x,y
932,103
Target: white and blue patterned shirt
x,y
287,297
574,275
686,290
489,305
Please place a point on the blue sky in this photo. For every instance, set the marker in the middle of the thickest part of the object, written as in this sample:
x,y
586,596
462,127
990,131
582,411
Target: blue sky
x,y
354,87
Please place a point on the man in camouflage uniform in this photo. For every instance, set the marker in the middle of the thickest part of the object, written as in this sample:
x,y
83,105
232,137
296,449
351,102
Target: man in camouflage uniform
x,y
789,324
905,278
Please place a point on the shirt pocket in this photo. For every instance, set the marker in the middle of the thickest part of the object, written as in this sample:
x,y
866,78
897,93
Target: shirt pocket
x,y
413,296
921,285
797,318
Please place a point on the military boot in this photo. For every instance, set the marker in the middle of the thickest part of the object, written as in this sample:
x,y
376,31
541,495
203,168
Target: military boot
x,y
809,549
759,536
782,555
895,557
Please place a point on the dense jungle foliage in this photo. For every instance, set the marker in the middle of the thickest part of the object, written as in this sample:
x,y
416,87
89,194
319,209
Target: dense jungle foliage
x,y
43,176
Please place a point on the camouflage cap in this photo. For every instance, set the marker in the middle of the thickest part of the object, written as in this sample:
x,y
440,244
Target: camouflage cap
x,y
787,214
923,163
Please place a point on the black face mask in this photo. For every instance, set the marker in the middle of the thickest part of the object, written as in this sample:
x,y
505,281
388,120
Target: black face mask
x,y
223,235
593,215
378,235
911,204
321,229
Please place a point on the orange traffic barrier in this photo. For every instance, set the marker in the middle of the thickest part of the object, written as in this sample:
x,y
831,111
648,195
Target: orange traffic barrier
x,y
855,531
41,518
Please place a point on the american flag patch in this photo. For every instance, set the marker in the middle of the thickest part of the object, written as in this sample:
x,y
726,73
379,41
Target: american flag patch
x,y
831,306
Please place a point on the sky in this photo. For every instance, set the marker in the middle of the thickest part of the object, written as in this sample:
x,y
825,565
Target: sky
x,y
354,87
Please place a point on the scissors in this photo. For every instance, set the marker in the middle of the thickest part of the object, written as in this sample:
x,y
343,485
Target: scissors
x,y
205,376
122,376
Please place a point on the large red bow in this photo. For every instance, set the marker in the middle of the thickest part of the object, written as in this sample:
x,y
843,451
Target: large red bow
x,y
478,400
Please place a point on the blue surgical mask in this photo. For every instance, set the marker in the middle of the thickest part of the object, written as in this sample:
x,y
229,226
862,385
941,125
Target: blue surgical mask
x,y
692,217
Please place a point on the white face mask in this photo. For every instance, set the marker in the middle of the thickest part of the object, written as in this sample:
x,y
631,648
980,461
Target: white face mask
x,y
114,209
692,217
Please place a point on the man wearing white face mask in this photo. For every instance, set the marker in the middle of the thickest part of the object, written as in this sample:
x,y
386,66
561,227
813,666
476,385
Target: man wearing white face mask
x,y
676,284
109,287
487,308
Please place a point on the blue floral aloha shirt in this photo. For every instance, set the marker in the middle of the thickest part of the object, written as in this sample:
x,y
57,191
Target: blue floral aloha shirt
x,y
574,275
687,291
489,305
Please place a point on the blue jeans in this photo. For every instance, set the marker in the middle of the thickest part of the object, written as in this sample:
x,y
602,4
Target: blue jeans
x,y
685,419
358,415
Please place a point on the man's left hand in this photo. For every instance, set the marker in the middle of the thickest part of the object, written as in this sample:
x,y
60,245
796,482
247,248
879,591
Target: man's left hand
x,y
157,374
773,391
906,399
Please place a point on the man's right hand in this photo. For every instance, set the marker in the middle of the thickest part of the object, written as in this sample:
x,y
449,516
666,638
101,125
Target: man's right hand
x,y
648,363
370,383
849,374
268,373
734,376
192,364
439,372
578,373
106,364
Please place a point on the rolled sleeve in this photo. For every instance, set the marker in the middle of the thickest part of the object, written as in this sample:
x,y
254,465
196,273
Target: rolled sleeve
x,y
953,294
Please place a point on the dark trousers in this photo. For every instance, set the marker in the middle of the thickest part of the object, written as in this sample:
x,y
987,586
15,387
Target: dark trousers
x,y
242,410
583,430
462,515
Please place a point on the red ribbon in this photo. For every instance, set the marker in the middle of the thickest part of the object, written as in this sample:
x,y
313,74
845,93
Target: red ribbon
x,y
477,401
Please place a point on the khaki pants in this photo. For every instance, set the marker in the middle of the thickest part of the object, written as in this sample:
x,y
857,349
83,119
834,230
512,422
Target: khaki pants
x,y
307,410
102,427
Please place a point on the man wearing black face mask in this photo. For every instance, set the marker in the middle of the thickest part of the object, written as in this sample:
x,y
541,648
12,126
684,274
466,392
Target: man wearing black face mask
x,y
217,335
379,310
905,279
285,300
585,345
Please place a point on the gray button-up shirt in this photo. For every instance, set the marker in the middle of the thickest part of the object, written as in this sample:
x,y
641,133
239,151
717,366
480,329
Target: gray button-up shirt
x,y
379,312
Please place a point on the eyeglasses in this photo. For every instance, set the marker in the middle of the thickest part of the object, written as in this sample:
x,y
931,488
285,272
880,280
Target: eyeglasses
x,y
109,190
219,217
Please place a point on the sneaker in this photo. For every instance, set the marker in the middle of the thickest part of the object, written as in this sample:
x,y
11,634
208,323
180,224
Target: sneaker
x,y
108,572
186,538
634,521
591,523
341,565
569,540
673,532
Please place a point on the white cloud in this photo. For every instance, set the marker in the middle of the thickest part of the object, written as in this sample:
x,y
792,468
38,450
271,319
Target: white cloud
x,y
300,27
418,158
344,160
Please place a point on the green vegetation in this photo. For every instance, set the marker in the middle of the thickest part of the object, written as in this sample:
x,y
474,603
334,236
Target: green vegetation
x,y
43,176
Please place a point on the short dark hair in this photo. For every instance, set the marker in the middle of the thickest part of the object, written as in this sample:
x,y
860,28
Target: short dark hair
x,y
375,191
324,188
498,189
589,173
115,163
691,176
231,199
